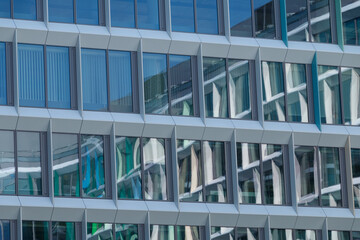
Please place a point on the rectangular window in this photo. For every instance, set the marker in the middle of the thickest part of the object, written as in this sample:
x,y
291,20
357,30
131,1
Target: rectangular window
x,y
25,9
148,14
5,9
188,232
338,235
320,21
61,11
305,234
7,163
206,14
351,21
241,18
264,15
3,73
87,12
222,233
281,234
123,13
355,157
127,231
183,15
5,230
98,230
248,233
159,232
297,20
350,86
35,230
63,230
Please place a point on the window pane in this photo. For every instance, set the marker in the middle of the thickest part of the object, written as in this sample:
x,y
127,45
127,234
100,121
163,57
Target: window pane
x,y
162,232
320,21
218,233
5,230
189,170
155,83
273,91
182,15
7,163
338,235
264,18
215,87
148,14
207,16
3,97
121,98
215,172
355,157
329,93
92,157
99,231
181,86
330,177
239,87
240,18
5,9
247,233
305,234
356,235
66,165
94,79
29,163
297,103
122,13
350,30
126,232
87,12
248,162
155,169
63,230
128,170
188,232
58,77
61,11
25,9
297,20
31,75
350,83
35,230
281,234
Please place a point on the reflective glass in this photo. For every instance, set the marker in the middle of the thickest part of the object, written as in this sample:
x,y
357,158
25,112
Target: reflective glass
x,y
297,20
87,12
247,233
239,89
126,232
248,163
29,163
148,14
128,168
297,102
7,163
99,231
320,21
63,231
215,87
351,21
61,11
281,234
273,91
329,94
240,18
215,172
35,230
155,169
338,235
182,15
189,170
5,8
181,85
207,16
5,230
93,64
25,9
3,84
306,176
264,18
350,84
92,158
219,233
305,234
58,77
356,235
121,97
155,83
66,165
122,13
330,177
350,32
188,232
355,157
31,75
162,232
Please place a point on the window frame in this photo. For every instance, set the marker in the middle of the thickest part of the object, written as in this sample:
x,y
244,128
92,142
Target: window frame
x,y
39,11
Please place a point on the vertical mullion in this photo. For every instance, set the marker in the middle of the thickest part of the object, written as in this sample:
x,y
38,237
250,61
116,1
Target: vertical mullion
x,y
318,156
142,169
195,17
285,92
107,80
203,169
11,9
341,96
74,13
262,174
45,77
135,14
310,96
228,87
309,20
168,82
252,17
16,164
80,165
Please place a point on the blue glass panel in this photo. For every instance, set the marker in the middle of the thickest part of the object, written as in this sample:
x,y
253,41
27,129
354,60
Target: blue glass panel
x,y
87,12
182,15
61,11
148,14
31,75
4,230
207,20
123,13
3,100
5,9
94,79
58,77
240,18
25,9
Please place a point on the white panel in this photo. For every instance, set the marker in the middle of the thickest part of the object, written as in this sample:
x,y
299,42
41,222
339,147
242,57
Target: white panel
x,y
305,134
165,213
272,50
8,117
243,48
128,124
67,121
333,136
33,119
189,127
31,31
282,216
158,126
225,215
9,207
300,52
155,41
100,210
192,214
184,43
94,36
276,133
354,132
68,209
351,56
310,218
248,131
328,54
96,122
131,211
252,216
62,34
125,39
214,45
7,29
218,129
339,218
36,208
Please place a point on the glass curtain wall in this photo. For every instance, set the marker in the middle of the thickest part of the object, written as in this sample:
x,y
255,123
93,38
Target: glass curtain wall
x,y
351,21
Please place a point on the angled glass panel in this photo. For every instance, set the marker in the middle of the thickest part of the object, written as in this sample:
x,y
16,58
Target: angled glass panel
x,y
121,97
7,163
162,232
215,88
126,232
63,230
25,9
350,83
218,233
355,157
297,100
87,12
189,170
61,11
66,165
155,169
273,91
329,93
148,14
58,77
99,231
207,16
239,89
3,84
320,21
94,79
182,15
281,234
188,232
31,75
338,235
122,13
305,234
240,18
247,233
248,163
128,168
5,9
5,230
181,85
351,18
35,230
155,83
93,174
29,163
264,18
215,172
330,177
297,20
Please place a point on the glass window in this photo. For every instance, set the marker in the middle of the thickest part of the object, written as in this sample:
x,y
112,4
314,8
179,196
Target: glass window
x,y
188,232
126,232
25,9
66,165
218,233
3,84
355,235
162,232
31,75
247,233
350,85
99,231
63,231
206,14
148,14
5,230
351,21
7,163
87,12
94,79
61,11
320,21
5,9
305,234
355,157
182,15
338,235
29,163
297,20
264,18
281,234
35,230
215,172
122,13
240,18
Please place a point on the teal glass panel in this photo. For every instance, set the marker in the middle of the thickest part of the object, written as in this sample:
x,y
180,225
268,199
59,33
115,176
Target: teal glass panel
x,y
350,10
122,13
99,231
35,230
207,16
3,83
350,32
264,18
320,21
63,231
25,9
247,233
7,163
127,232
218,233
5,230
297,20
87,12
305,234
355,235
5,10
182,15
61,11
188,232
355,157
148,14
338,235
162,232
240,18
281,234
350,85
